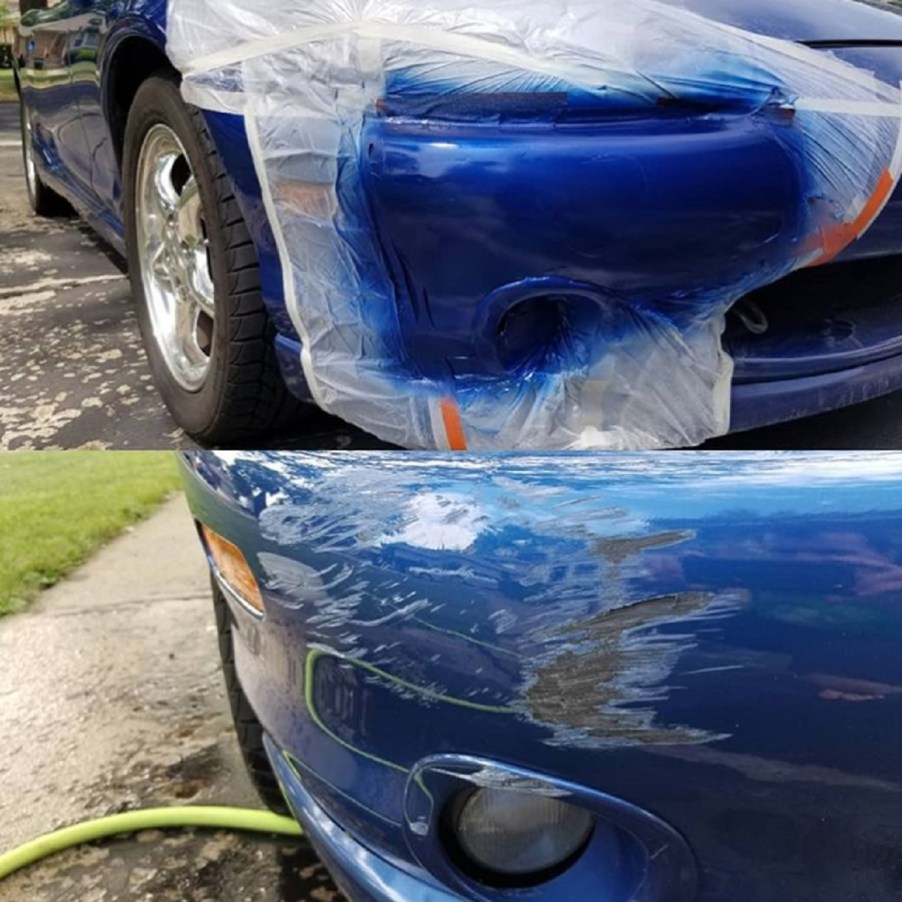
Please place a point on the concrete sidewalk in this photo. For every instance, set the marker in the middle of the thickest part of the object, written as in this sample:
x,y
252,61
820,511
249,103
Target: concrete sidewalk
x,y
111,698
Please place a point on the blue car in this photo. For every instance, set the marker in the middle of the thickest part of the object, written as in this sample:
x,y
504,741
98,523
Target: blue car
x,y
629,677
506,225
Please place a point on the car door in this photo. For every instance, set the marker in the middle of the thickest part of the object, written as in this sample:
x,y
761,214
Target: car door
x,y
87,29
88,41
48,37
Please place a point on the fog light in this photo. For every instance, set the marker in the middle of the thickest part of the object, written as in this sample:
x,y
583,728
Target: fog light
x,y
519,835
233,569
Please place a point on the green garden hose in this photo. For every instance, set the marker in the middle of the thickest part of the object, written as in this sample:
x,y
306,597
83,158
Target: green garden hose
x,y
219,818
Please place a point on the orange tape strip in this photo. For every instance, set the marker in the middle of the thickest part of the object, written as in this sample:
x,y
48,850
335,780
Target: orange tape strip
x,y
837,238
454,429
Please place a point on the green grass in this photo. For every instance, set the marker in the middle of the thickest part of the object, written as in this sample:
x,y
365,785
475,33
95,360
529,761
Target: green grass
x,y
7,88
57,507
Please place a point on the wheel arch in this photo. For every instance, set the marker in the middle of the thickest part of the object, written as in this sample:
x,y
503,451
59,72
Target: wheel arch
x,y
133,55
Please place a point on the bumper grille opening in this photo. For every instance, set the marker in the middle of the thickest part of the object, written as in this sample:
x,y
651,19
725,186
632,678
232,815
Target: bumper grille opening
x,y
818,321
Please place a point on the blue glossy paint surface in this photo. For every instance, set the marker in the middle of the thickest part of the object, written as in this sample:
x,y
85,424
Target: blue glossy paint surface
x,y
464,212
713,640
805,20
470,209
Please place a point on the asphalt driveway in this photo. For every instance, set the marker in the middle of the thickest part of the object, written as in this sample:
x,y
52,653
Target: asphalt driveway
x,y
72,369
73,373
110,699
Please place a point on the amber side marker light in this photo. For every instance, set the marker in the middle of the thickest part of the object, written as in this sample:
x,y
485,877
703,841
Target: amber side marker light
x,y
233,568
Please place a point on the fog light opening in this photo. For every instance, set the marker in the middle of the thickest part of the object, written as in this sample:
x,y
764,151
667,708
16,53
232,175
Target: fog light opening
x,y
552,332
529,331
512,839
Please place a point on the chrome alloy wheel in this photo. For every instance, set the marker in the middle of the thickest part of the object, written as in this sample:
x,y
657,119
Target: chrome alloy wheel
x,y
31,173
173,250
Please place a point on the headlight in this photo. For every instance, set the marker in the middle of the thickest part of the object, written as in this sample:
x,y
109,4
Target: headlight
x,y
520,835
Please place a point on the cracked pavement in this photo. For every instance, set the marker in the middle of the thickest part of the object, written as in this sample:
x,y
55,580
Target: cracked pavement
x,y
111,698
71,363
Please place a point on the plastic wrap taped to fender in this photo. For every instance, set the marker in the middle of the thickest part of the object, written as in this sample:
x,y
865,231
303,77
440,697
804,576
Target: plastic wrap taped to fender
x,y
619,372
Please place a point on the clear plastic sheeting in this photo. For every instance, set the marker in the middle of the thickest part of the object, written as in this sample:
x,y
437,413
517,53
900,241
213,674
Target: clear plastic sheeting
x,y
306,74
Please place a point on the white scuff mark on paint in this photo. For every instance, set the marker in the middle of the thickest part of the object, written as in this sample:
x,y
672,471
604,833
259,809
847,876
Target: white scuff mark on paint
x,y
440,522
334,596
295,582
489,777
402,613
503,620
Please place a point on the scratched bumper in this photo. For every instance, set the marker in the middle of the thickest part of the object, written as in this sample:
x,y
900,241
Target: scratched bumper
x,y
360,872
706,640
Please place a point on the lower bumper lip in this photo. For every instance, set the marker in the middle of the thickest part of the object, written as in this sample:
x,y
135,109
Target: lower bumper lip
x,y
358,870
820,321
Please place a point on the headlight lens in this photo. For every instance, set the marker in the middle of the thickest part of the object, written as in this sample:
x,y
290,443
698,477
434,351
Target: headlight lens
x,y
520,834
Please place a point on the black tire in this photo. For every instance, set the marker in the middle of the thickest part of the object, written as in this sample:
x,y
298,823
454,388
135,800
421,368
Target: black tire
x,y
243,394
44,201
247,728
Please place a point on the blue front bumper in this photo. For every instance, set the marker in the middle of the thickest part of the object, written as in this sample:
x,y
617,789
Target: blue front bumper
x,y
359,872
439,198
702,639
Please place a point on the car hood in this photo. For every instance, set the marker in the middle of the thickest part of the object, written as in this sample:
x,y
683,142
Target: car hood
x,y
806,20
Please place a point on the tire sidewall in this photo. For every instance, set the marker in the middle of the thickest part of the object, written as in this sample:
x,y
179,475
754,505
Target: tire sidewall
x,y
159,101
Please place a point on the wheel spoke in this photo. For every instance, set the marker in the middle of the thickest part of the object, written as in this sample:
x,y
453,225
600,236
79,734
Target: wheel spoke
x,y
153,227
166,196
187,315
28,143
197,273
193,246
188,213
160,263
156,259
